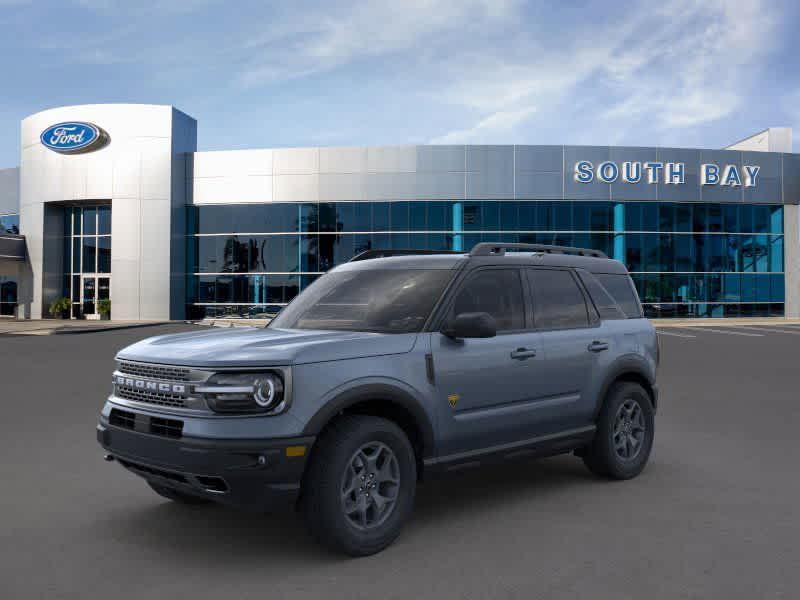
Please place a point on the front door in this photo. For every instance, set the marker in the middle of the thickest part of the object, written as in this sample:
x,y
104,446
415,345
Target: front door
x,y
93,289
88,294
487,388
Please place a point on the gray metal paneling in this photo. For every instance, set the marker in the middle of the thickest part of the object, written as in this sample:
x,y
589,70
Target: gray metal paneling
x,y
721,193
539,186
9,191
689,191
641,191
12,247
538,159
441,159
595,190
768,184
791,178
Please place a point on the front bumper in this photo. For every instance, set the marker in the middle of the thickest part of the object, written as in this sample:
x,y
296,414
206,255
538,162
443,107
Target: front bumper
x,y
250,474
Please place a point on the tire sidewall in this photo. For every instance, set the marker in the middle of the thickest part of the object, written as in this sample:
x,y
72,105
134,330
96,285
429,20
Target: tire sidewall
x,y
342,533
618,467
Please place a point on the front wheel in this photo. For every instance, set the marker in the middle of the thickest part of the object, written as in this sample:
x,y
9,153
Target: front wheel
x,y
359,489
625,431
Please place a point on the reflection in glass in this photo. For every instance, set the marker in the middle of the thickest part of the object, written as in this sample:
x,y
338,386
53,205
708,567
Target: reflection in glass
x,y
688,258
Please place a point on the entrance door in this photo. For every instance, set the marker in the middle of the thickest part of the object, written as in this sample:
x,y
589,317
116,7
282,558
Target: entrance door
x,y
89,294
93,290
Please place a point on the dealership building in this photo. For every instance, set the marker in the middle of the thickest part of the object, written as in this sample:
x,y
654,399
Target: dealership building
x,y
112,202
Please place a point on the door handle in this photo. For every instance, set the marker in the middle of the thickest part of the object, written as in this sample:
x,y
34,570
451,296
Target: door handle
x,y
523,353
598,346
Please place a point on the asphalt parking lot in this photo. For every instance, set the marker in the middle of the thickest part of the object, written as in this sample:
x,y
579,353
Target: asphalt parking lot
x,y
715,514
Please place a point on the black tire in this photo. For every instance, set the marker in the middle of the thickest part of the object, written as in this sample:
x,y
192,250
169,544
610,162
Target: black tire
x,y
176,495
333,469
613,452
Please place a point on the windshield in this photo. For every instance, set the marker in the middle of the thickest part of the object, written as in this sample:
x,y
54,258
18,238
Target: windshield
x,y
384,301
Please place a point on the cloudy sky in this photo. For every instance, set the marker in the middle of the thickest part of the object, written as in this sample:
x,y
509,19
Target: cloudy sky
x,y
297,73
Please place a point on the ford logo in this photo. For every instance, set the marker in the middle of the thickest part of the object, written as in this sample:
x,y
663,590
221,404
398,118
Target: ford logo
x,y
74,137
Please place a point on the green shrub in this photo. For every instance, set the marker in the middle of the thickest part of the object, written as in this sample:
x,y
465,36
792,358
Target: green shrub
x,y
104,307
59,306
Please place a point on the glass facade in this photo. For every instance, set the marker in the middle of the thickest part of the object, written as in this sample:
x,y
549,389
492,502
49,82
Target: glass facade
x,y
686,259
8,296
87,257
9,224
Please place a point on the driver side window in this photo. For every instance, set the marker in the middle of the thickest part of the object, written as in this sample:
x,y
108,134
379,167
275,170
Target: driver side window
x,y
494,291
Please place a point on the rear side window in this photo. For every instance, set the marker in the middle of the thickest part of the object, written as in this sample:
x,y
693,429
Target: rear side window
x,y
606,306
558,302
494,291
621,289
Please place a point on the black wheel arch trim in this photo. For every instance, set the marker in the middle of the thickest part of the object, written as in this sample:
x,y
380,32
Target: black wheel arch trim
x,y
375,392
628,365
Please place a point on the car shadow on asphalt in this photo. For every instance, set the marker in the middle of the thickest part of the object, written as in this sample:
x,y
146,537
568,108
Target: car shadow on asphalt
x,y
227,537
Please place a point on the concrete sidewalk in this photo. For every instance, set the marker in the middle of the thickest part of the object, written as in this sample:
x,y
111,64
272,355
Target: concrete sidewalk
x,y
64,326
729,322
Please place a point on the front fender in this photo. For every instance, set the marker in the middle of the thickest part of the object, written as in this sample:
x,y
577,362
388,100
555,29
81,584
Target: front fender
x,y
389,390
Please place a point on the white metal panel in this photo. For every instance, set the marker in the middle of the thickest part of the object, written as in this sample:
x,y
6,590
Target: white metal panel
x,y
232,163
296,188
244,189
342,160
295,161
342,186
392,159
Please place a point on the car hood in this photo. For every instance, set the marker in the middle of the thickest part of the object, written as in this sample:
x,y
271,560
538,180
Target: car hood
x,y
250,346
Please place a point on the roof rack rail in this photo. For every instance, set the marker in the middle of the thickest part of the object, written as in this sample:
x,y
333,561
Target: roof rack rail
x,y
369,254
488,248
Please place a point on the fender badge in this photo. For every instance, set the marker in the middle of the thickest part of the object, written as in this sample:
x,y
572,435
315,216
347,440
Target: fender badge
x,y
452,400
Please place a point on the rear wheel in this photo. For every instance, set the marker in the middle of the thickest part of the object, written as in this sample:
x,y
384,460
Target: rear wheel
x,y
359,489
625,431
176,495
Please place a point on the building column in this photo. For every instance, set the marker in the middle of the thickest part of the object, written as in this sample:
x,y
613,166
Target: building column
x,y
458,226
791,260
619,228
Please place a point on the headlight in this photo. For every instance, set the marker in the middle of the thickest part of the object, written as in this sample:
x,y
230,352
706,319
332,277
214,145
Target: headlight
x,y
244,393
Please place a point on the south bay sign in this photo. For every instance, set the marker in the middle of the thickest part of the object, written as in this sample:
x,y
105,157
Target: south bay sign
x,y
665,172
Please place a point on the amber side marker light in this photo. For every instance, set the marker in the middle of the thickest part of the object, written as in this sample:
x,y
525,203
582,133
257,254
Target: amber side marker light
x,y
294,451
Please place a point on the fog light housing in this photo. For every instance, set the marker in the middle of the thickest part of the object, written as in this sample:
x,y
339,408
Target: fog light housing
x,y
240,393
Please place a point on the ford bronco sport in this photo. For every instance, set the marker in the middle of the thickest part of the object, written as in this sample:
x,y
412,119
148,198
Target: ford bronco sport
x,y
387,368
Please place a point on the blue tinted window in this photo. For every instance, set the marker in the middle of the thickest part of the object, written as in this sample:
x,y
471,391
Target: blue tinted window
x,y
104,220
400,216
417,216
380,216
9,224
89,221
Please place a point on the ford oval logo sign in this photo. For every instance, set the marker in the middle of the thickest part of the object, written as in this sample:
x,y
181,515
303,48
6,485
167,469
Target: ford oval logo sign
x,y
74,137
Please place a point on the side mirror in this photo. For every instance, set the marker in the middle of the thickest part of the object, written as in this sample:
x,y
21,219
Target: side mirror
x,y
471,325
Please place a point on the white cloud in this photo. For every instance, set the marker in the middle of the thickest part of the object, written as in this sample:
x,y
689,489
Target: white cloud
x,y
501,121
331,37
675,65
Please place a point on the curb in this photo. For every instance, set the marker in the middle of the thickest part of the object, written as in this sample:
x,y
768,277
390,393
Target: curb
x,y
83,330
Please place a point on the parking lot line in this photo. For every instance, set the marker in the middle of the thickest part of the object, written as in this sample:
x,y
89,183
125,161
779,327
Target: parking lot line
x,y
770,329
672,333
730,332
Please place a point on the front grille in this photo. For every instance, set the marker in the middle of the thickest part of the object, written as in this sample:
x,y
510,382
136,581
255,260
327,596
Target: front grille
x,y
154,371
166,427
151,397
122,418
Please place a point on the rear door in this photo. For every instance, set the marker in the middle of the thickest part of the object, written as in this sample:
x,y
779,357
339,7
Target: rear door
x,y
486,388
574,345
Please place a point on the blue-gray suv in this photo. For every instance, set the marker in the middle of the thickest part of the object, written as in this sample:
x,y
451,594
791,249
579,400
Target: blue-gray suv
x,y
395,365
